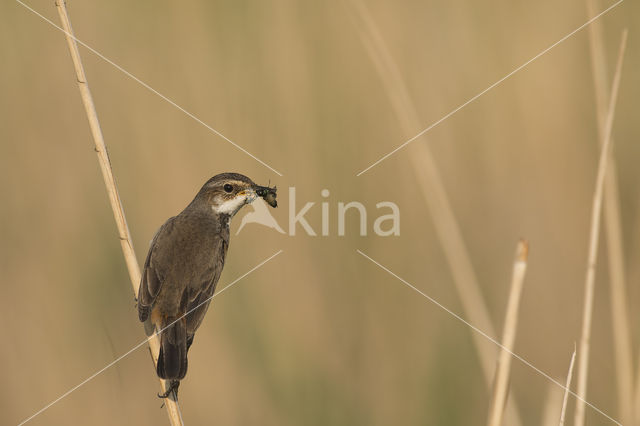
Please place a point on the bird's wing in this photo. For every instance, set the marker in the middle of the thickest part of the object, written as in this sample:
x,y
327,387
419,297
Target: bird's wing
x,y
200,296
152,279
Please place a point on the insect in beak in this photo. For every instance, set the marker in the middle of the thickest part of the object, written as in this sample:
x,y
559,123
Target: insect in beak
x,y
267,194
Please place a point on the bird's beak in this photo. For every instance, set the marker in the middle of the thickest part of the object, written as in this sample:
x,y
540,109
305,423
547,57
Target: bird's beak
x,y
249,195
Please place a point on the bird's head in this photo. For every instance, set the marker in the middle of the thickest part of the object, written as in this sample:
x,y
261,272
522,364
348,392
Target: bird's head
x,y
226,193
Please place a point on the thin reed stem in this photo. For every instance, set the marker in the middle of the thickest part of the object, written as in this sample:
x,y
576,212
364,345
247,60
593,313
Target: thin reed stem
x,y
620,321
636,401
552,405
587,313
173,409
430,181
503,370
567,386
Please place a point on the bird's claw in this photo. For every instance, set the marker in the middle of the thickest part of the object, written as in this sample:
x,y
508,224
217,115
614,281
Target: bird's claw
x,y
173,386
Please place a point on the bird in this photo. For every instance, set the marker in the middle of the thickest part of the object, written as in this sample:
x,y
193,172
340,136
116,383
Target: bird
x,y
183,266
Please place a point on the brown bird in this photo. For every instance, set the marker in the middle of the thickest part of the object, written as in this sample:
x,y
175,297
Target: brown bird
x,y
184,264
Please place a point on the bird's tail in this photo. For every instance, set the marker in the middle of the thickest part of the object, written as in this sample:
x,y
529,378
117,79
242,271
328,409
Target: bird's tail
x,y
172,360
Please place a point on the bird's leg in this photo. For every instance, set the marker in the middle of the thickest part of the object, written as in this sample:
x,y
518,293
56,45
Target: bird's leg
x,y
173,386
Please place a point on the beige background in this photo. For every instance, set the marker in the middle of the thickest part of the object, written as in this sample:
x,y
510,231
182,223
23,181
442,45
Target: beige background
x,y
319,335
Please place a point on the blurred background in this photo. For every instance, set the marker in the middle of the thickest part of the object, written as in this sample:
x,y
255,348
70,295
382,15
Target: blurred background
x,y
319,335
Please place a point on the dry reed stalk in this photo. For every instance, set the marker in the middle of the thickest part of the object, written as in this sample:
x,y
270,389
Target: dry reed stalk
x,y
503,370
583,361
636,401
445,223
567,385
552,405
620,320
173,409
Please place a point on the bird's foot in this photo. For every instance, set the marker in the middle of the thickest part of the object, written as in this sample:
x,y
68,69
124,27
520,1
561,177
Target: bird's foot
x,y
173,386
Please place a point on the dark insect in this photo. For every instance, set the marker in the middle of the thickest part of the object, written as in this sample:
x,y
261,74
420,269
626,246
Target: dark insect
x,y
268,194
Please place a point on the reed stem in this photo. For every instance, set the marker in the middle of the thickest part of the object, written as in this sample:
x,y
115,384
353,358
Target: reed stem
x,y
503,370
173,409
587,313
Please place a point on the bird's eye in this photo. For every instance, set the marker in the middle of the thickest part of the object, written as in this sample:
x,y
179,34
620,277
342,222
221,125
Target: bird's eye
x,y
227,187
